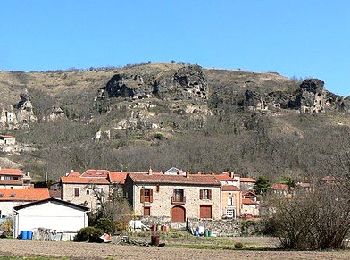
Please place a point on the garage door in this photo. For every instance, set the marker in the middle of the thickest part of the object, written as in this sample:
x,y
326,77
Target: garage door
x,y
205,211
178,214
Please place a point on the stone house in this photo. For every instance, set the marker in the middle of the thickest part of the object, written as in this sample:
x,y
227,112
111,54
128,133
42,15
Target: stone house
x,y
91,188
230,194
250,207
86,188
231,201
174,197
280,189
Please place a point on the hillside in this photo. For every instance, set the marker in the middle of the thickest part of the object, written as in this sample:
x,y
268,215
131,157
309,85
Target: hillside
x,y
164,115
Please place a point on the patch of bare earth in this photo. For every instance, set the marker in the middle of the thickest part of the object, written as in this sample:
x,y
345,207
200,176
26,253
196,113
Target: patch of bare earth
x,y
82,250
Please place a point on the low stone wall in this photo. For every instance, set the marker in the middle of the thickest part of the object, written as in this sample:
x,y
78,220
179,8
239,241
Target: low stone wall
x,y
227,228
150,220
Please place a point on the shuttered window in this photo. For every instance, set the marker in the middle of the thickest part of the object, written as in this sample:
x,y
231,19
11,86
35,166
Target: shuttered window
x,y
76,192
205,194
146,195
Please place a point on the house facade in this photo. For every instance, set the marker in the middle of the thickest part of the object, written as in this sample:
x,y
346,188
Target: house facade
x,y
14,179
174,196
91,188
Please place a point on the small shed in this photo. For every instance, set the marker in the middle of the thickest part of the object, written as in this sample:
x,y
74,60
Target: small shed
x,y
54,215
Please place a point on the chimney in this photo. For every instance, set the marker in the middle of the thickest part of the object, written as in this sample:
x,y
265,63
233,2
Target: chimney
x,y
232,175
187,175
150,172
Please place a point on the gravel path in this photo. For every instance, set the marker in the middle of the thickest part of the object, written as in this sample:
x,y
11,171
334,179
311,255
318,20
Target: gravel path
x,y
82,250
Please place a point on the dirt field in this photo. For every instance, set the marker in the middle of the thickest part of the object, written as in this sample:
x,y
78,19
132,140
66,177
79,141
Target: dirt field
x,y
82,250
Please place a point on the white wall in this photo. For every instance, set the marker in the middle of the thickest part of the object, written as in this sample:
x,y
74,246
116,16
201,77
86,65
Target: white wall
x,y
50,215
6,207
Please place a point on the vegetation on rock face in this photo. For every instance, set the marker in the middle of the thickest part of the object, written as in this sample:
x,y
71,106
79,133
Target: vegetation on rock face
x,y
170,124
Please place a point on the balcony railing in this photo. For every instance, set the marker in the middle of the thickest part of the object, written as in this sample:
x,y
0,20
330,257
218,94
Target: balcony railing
x,y
176,200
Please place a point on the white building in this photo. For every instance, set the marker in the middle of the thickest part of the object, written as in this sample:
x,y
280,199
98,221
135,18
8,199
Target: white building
x,y
10,198
52,214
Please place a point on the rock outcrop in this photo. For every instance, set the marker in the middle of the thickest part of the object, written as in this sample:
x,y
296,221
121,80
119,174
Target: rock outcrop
x,y
188,82
54,114
311,98
19,115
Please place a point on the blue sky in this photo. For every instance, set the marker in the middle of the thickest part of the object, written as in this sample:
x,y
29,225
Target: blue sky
x,y
302,38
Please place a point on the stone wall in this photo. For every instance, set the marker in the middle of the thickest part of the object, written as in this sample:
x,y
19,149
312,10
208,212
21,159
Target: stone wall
x,y
230,228
161,205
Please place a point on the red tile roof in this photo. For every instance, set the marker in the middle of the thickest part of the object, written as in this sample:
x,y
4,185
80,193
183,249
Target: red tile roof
x,y
32,194
117,177
225,176
73,174
12,172
84,180
247,201
247,179
192,179
95,173
229,188
279,186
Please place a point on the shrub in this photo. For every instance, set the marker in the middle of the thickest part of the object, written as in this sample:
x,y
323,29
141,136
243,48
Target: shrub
x,y
316,220
238,245
90,234
105,225
159,136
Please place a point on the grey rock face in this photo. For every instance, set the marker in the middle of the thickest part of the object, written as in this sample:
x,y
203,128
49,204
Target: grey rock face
x,y
188,82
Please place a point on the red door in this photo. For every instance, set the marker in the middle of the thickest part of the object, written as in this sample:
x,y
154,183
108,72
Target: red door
x,y
205,211
178,214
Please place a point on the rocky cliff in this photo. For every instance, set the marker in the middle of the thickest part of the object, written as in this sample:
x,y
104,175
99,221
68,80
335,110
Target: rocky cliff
x,y
128,113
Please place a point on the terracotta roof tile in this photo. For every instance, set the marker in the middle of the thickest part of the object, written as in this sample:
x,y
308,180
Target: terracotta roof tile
x,y
224,177
95,173
117,177
32,194
247,201
247,179
84,180
192,179
73,174
13,172
229,188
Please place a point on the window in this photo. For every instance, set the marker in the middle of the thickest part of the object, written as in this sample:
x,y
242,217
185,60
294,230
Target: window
x,y
146,195
147,211
205,194
230,213
87,192
231,200
157,188
76,192
178,194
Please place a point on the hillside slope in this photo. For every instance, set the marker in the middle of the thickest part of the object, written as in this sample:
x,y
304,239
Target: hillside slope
x,y
164,115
